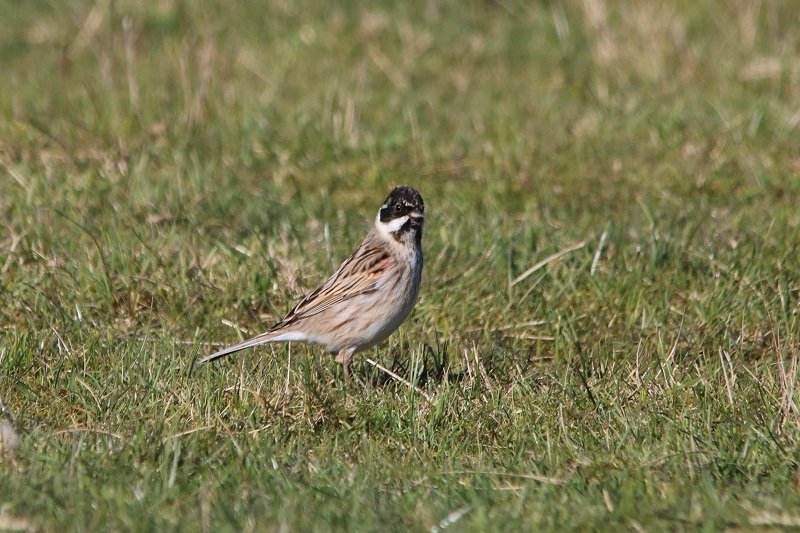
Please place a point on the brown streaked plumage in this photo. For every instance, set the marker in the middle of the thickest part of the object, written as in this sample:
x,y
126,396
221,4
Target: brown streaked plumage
x,y
368,296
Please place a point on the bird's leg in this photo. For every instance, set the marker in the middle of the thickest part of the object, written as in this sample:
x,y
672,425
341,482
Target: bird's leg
x,y
344,357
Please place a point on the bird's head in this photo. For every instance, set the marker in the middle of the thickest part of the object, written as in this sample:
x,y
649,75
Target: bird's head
x,y
402,214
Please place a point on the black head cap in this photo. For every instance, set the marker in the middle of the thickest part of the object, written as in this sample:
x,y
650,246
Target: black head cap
x,y
402,201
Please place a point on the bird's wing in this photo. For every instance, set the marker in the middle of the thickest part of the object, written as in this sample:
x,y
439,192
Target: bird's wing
x,y
359,274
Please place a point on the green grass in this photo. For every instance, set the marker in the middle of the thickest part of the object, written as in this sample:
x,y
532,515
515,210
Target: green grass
x,y
172,171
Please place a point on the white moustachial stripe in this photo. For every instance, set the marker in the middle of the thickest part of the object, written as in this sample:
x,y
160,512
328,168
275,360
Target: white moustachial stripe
x,y
391,226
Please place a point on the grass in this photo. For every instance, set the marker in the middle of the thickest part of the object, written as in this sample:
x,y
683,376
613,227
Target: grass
x,y
177,174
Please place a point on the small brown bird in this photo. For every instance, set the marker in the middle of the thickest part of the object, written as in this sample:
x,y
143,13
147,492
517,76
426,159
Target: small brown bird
x,y
368,296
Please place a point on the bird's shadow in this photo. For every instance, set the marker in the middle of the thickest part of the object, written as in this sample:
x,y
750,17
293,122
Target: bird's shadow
x,y
432,366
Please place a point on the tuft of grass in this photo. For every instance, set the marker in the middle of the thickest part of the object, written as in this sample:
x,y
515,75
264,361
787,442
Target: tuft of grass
x,y
177,174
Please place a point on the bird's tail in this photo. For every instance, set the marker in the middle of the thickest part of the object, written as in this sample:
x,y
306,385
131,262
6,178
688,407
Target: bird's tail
x,y
264,338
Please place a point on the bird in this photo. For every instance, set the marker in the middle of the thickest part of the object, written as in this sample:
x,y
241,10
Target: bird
x,y
367,298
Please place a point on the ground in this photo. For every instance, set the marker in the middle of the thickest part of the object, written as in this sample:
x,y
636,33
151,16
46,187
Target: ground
x,y
608,331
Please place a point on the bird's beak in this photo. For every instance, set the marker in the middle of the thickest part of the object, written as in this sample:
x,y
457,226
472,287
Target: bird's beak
x,y
416,218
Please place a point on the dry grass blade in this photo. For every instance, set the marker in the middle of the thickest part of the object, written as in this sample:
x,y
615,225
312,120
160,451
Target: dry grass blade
x,y
400,379
532,477
547,260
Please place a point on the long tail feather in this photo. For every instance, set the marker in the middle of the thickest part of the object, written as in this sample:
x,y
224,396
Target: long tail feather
x,y
264,338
